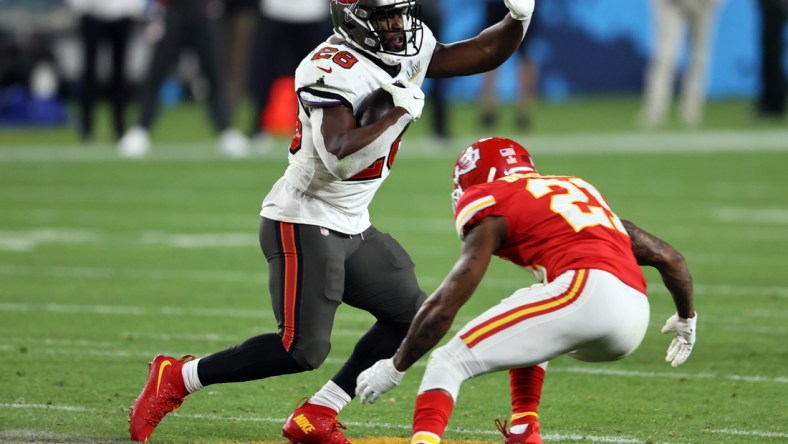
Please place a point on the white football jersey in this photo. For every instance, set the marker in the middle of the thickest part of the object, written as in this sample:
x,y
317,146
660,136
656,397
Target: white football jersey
x,y
336,74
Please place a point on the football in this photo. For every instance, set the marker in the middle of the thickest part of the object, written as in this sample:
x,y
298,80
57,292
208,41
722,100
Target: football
x,y
373,107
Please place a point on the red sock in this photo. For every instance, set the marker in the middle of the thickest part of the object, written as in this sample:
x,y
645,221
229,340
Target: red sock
x,y
526,385
433,409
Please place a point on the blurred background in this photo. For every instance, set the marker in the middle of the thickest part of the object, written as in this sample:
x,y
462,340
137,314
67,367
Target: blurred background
x,y
595,54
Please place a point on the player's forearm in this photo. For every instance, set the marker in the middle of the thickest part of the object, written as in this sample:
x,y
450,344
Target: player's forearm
x,y
436,315
428,328
355,140
352,151
654,252
678,281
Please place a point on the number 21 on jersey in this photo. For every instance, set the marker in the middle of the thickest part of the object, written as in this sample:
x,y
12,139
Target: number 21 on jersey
x,y
580,204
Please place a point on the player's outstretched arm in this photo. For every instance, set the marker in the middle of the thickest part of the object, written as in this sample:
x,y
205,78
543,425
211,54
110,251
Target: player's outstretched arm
x,y
436,315
652,251
486,51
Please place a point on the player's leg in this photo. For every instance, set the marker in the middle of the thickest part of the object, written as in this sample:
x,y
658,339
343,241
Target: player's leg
x,y
526,392
381,280
626,315
304,309
532,326
305,282
315,421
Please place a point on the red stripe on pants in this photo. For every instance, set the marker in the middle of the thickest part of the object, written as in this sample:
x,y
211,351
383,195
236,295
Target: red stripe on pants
x,y
290,285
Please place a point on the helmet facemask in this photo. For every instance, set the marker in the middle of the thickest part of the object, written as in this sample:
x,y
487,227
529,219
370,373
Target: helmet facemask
x,y
386,29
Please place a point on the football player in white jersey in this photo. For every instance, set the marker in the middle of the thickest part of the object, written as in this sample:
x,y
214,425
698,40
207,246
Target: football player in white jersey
x,y
316,233
591,302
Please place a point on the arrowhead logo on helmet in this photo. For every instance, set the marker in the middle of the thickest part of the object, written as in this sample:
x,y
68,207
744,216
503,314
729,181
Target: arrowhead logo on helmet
x,y
386,29
489,159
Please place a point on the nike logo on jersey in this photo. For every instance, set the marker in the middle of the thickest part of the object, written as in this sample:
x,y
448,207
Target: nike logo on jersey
x,y
328,70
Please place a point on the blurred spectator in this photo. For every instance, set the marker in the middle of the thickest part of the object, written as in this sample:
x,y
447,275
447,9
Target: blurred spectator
x,y
239,22
527,75
286,31
771,100
672,18
174,26
431,14
100,22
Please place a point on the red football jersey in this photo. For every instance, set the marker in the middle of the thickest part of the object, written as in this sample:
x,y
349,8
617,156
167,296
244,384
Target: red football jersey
x,y
556,223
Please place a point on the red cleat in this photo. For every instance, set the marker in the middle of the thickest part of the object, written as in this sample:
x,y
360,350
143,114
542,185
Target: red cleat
x,y
163,392
530,436
313,424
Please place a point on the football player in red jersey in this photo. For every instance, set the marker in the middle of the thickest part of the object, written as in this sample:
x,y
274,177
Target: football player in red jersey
x,y
316,233
590,302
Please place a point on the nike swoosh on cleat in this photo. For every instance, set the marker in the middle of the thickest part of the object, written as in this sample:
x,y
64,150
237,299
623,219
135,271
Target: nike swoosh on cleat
x,y
161,371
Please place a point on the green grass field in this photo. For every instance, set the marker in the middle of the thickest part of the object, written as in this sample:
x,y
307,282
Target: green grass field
x,y
106,262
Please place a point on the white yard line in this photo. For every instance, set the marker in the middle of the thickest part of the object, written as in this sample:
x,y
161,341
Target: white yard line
x,y
390,426
87,348
650,143
254,277
359,425
737,432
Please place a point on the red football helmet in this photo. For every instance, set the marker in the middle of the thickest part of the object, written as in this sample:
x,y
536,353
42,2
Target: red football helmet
x,y
489,159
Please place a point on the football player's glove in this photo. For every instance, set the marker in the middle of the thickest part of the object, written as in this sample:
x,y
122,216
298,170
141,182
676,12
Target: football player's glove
x,y
377,380
681,346
520,9
408,96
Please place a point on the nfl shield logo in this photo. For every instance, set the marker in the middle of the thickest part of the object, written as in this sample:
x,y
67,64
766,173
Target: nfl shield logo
x,y
324,231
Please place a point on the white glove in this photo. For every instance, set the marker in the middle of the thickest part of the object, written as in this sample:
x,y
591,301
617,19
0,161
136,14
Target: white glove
x,y
520,9
681,346
408,96
377,380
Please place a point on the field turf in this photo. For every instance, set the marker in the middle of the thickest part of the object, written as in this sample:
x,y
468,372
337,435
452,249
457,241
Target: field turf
x,y
106,262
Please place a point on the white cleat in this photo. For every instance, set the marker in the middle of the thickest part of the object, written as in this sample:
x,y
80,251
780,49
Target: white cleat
x,y
135,143
233,144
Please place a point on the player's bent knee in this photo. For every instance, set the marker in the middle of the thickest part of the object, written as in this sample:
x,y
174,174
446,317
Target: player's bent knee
x,y
448,367
311,354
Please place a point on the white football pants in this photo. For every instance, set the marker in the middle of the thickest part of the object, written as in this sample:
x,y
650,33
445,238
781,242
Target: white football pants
x,y
589,314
